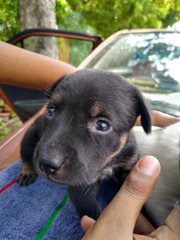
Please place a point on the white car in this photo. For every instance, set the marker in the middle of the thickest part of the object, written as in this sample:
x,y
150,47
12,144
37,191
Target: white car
x,y
148,58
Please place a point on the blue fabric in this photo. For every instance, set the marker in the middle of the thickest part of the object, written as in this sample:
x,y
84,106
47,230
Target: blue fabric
x,y
25,210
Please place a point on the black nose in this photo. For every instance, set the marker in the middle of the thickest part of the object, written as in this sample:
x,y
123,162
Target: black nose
x,y
49,165
47,168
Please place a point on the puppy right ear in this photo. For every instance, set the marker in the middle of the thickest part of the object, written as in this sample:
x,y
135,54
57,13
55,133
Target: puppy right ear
x,y
50,91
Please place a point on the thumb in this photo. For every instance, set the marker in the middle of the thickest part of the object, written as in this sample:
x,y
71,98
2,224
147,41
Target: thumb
x,y
137,188
87,222
119,218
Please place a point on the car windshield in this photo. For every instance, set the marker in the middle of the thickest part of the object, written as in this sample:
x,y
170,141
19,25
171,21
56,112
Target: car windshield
x,y
151,61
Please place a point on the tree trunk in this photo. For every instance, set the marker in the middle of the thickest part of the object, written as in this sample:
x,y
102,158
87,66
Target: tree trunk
x,y
39,14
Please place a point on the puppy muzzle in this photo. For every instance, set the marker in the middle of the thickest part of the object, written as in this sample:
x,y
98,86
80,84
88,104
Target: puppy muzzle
x,y
50,162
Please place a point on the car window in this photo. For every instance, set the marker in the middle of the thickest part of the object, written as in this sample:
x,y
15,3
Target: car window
x,y
72,51
149,60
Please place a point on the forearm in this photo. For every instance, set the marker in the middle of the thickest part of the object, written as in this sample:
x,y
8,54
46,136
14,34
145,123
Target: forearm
x,y
160,119
25,68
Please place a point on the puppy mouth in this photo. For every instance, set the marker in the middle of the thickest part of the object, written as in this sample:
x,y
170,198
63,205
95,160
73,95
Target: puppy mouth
x,y
62,175
59,176
56,179
66,177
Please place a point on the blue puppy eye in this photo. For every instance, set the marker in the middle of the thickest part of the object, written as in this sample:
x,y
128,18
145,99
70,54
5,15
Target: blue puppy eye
x,y
102,125
51,111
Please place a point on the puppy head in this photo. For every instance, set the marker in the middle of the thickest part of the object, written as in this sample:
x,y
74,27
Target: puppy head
x,y
87,123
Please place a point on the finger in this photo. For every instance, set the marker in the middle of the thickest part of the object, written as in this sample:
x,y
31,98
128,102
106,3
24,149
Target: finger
x,y
143,226
173,220
134,193
171,228
86,223
121,214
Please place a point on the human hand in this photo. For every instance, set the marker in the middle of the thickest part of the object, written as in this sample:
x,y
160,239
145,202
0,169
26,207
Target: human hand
x,y
118,220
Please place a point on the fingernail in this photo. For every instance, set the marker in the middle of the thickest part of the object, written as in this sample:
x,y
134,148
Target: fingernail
x,y
149,165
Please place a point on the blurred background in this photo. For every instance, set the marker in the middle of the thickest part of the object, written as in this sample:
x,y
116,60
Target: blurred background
x,y
100,17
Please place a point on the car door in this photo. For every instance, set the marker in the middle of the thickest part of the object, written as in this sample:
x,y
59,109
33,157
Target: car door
x,y
71,47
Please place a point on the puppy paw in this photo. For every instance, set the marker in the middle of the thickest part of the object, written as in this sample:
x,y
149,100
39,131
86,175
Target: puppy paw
x,y
26,179
27,175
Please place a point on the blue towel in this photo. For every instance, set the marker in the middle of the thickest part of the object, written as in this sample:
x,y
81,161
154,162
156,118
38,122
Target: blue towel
x,y
41,210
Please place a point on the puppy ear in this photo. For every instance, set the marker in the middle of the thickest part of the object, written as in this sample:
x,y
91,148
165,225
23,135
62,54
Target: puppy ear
x,y
144,112
50,91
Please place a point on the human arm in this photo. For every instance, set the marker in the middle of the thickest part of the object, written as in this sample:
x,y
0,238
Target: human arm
x,y
160,119
24,68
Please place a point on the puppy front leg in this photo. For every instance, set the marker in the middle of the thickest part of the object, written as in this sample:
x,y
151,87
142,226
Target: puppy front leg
x,y
29,142
84,200
27,175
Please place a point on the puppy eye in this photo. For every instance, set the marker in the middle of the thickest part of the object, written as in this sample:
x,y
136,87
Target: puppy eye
x,y
51,111
103,126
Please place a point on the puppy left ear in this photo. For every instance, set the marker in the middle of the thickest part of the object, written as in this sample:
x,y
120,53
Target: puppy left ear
x,y
144,113
50,91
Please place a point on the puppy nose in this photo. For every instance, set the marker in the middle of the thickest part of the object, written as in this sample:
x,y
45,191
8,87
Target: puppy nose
x,y
48,165
47,168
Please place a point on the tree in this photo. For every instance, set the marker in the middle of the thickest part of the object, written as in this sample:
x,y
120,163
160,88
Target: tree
x,y
39,14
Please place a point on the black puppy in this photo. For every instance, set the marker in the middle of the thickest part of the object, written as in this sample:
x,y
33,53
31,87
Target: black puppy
x,y
85,135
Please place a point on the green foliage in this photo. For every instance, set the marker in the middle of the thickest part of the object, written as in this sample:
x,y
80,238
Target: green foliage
x,y
9,22
108,16
4,131
69,18
98,16
63,10
79,51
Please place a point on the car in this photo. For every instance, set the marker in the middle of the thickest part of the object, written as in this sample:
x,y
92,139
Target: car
x,y
150,59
